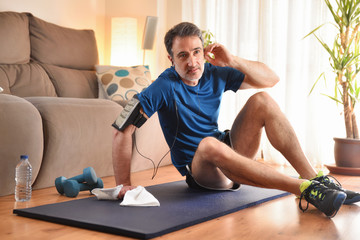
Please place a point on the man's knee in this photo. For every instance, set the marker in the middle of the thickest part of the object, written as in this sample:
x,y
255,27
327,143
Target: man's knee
x,y
262,101
212,149
261,97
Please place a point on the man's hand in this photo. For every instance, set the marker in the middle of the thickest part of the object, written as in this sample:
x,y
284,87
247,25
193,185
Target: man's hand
x,y
218,55
257,74
124,190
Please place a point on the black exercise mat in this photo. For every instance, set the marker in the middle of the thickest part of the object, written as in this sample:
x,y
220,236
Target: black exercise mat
x,y
180,207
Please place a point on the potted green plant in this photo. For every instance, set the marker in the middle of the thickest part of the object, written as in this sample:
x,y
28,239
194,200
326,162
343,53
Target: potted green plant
x,y
208,37
344,60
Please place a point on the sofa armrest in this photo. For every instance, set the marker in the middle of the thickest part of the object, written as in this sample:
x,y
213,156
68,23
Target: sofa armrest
x,y
20,133
77,134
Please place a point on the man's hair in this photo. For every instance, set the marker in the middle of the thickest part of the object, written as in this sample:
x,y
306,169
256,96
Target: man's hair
x,y
184,29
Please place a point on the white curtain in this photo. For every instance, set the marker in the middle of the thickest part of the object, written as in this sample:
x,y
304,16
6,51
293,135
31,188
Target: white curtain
x,y
272,31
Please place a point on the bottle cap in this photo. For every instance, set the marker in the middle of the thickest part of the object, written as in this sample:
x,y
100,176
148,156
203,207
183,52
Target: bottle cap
x,y
24,156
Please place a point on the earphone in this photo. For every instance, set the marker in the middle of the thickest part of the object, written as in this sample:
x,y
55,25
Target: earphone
x,y
172,145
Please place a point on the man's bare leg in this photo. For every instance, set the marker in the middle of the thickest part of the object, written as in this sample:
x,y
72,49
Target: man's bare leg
x,y
262,111
214,163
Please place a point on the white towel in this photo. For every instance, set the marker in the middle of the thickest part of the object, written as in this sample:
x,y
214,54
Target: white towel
x,y
107,193
139,197
136,197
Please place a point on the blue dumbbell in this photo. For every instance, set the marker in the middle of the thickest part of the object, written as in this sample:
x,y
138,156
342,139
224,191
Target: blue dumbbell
x,y
72,187
88,176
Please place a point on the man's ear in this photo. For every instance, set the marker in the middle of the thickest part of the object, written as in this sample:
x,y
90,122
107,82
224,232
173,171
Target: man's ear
x,y
171,60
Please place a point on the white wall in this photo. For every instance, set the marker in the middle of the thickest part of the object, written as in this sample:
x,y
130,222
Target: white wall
x,y
170,14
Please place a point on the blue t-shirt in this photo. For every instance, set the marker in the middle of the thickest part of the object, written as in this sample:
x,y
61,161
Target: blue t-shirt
x,y
188,113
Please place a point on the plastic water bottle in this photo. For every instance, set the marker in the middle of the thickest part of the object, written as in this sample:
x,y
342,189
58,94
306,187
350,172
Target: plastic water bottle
x,y
23,175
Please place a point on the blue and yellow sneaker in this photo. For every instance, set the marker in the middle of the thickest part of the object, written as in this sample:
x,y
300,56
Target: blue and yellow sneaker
x,y
325,199
352,196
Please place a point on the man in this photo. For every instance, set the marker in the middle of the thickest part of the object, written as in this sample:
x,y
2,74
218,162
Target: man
x,y
187,98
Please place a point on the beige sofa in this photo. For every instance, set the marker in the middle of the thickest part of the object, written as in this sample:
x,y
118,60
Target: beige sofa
x,y
49,106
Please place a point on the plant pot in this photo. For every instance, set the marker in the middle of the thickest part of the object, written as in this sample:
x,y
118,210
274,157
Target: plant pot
x,y
347,152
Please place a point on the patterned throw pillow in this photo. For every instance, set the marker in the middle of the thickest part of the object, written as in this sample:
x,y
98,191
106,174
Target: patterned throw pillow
x,y
122,83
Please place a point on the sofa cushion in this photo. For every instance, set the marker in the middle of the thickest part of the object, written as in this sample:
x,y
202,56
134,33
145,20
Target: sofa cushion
x,y
122,83
73,83
26,80
14,40
64,47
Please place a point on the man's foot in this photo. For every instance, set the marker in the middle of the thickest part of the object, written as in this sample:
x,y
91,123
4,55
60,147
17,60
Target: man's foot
x,y
352,196
325,199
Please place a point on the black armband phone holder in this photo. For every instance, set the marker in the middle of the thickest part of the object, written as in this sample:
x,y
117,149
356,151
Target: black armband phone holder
x,y
130,115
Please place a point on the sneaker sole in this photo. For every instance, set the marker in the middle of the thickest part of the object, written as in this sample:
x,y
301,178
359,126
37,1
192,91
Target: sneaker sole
x,y
338,202
352,200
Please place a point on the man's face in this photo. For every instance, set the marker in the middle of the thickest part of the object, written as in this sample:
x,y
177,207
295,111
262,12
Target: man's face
x,y
188,58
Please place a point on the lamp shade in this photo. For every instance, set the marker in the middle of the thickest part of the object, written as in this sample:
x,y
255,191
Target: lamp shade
x,y
124,41
149,32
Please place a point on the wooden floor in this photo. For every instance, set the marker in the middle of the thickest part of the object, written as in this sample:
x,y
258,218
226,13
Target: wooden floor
x,y
277,219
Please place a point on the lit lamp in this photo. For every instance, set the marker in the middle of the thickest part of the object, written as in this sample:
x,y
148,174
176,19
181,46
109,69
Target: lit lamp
x,y
149,34
123,41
